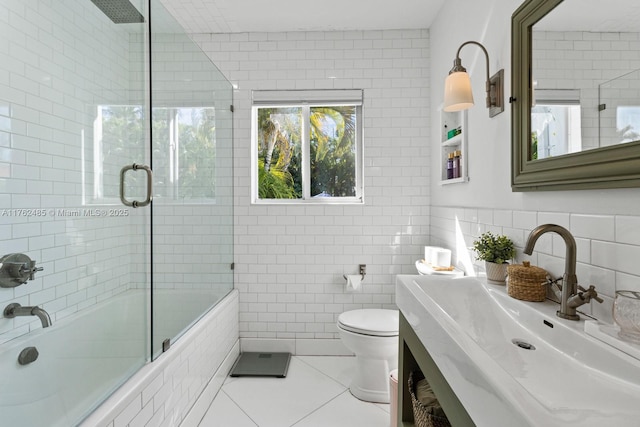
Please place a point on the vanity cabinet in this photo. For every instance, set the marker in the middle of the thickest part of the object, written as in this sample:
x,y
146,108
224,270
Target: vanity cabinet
x,y
414,356
453,139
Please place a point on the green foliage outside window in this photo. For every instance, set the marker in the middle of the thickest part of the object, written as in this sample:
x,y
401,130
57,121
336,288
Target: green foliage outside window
x,y
332,150
184,163
279,145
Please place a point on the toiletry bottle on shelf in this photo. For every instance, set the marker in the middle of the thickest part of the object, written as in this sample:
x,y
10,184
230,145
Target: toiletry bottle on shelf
x,y
450,166
454,132
455,165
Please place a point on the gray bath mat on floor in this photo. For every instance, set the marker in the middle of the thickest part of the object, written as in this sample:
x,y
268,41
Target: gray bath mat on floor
x,y
261,365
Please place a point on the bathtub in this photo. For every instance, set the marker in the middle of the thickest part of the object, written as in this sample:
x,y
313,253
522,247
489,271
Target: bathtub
x,y
85,358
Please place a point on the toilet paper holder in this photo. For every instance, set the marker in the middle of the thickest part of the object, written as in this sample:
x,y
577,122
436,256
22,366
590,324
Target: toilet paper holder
x,y
363,271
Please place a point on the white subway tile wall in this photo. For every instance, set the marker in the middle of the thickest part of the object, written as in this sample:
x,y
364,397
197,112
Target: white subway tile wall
x,y
593,58
290,258
608,246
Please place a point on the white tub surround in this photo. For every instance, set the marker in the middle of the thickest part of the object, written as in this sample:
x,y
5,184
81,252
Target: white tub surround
x,y
163,392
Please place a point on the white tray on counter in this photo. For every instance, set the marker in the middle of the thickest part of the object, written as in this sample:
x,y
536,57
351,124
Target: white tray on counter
x,y
424,268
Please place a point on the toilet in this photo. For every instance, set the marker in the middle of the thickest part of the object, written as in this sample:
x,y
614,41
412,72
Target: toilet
x,y
372,335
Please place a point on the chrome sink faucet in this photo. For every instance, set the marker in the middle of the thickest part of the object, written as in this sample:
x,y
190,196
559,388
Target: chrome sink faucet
x,y
15,309
572,295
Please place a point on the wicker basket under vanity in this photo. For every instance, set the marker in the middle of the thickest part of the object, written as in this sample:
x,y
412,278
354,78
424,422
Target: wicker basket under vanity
x,y
526,282
421,415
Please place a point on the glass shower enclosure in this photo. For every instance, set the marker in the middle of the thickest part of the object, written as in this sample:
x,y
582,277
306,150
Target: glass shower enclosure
x,y
619,109
116,184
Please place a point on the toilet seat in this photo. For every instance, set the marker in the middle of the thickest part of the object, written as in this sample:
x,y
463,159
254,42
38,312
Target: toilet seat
x,y
370,321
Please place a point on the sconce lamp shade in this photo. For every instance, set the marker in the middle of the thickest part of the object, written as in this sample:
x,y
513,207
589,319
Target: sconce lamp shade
x,y
457,91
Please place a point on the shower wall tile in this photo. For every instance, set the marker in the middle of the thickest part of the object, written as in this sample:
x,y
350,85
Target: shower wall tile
x,y
50,86
290,259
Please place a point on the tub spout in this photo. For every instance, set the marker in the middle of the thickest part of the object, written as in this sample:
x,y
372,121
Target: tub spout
x,y
15,309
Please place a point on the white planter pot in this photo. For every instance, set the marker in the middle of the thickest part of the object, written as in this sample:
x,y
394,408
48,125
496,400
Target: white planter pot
x,y
496,273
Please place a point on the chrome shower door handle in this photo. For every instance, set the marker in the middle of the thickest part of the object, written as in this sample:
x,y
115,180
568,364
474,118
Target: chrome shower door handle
x,y
136,203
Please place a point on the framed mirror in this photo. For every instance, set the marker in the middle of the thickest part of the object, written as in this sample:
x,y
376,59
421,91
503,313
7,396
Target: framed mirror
x,y
575,102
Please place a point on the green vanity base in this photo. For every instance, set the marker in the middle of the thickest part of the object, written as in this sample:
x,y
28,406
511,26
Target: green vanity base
x,y
413,356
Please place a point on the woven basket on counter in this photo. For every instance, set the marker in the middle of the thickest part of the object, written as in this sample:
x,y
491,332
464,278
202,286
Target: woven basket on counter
x,y
526,282
421,415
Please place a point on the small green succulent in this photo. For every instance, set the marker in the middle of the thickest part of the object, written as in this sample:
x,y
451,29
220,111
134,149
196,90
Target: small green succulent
x,y
492,248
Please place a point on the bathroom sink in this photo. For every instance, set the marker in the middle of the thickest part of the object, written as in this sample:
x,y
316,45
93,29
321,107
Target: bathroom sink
x,y
512,362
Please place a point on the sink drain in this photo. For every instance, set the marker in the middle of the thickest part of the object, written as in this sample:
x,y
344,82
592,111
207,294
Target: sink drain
x,y
523,344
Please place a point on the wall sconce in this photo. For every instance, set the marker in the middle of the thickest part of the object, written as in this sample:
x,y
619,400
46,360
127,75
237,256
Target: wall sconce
x,y
457,87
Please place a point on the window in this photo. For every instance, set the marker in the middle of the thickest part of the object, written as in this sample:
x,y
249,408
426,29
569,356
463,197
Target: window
x,y
307,146
555,123
628,123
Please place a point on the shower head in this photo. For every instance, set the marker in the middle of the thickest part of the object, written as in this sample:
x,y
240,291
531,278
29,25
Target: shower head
x,y
119,11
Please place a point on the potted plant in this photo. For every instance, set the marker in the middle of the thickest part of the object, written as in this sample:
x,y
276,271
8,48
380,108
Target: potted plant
x,y
495,251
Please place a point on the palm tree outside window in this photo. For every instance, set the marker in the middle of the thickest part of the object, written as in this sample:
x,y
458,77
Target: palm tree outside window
x,y
307,146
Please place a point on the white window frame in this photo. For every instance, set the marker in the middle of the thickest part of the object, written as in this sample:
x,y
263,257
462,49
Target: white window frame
x,y
622,113
569,101
306,99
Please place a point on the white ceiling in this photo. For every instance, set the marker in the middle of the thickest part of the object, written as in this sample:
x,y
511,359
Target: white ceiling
x,y
239,16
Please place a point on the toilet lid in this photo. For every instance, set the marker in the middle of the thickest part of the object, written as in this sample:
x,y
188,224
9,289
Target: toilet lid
x,y
370,321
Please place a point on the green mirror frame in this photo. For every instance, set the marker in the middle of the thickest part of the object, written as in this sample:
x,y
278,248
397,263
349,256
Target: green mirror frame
x,y
607,167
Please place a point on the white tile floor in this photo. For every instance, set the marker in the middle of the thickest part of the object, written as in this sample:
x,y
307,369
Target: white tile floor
x,y
315,393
